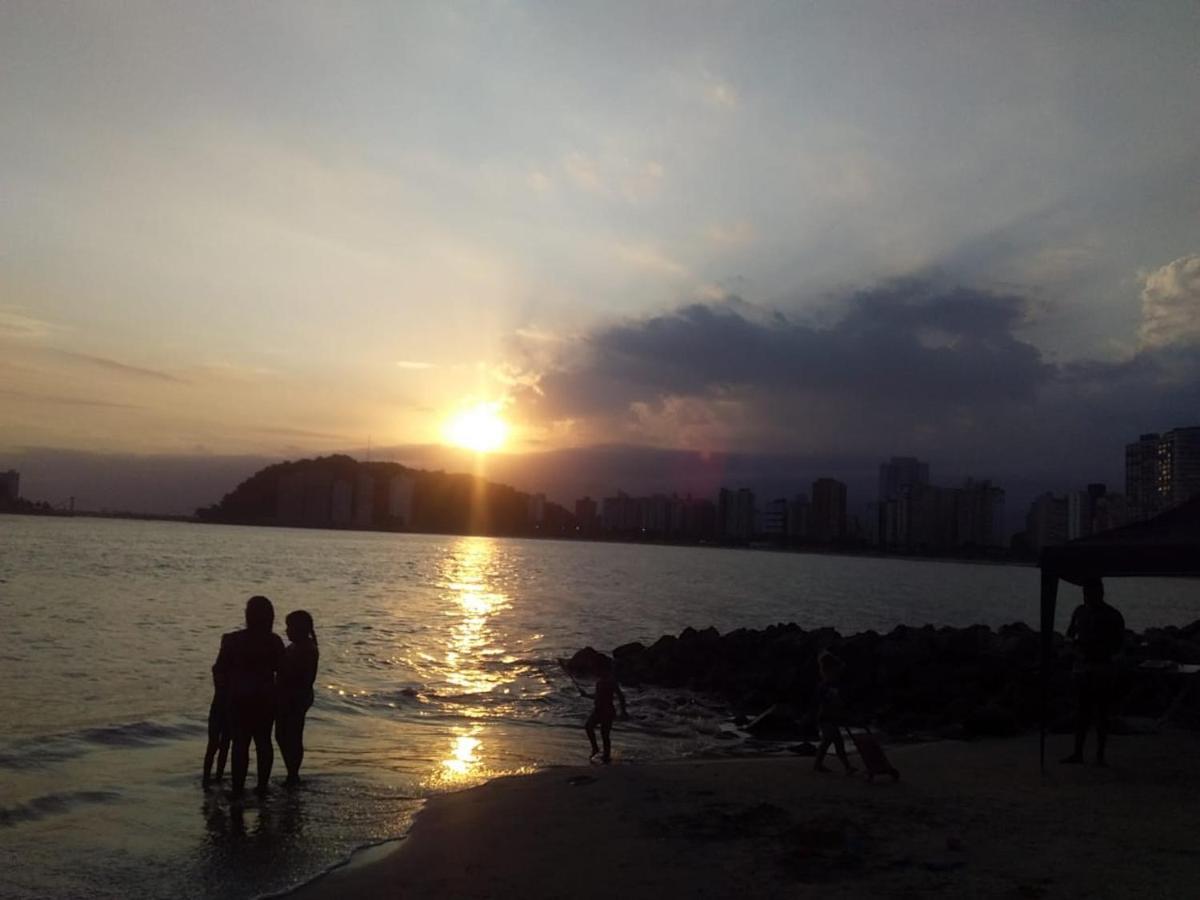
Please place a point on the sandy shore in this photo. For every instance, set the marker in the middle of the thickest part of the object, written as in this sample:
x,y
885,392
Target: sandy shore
x,y
966,820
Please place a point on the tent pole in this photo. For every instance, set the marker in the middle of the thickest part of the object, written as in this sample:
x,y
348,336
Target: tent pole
x,y
1049,595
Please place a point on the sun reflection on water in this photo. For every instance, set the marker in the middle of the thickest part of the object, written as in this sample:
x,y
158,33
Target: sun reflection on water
x,y
469,576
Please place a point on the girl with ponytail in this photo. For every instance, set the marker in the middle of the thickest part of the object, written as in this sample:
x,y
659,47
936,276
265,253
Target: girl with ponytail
x,y
295,686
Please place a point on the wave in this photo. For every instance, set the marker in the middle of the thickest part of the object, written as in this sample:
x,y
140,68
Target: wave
x,y
52,804
36,753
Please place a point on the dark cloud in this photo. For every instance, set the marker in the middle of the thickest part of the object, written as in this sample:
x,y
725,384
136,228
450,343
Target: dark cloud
x,y
907,368
899,344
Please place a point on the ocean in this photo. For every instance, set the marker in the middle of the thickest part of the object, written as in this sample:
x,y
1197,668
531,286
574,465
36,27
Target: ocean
x,y
437,672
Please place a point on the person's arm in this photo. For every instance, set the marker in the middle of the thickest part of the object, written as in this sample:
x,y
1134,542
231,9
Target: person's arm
x,y
620,698
220,668
1073,628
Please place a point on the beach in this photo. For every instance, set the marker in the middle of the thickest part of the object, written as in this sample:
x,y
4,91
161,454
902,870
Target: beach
x,y
973,819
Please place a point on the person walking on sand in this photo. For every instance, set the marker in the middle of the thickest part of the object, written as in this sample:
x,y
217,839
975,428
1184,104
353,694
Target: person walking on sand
x,y
831,712
295,691
603,711
248,661
1098,631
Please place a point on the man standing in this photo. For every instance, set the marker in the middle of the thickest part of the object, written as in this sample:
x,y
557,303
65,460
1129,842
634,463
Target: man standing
x,y
1098,631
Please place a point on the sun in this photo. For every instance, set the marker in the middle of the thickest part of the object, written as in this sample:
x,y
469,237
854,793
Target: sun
x,y
479,428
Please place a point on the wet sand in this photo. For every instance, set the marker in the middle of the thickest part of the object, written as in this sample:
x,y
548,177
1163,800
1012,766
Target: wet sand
x,y
966,819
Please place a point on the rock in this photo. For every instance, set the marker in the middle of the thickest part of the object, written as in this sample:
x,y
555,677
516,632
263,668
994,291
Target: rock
x,y
586,663
777,723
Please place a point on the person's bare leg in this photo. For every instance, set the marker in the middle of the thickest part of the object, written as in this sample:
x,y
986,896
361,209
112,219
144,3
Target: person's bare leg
x,y
590,728
1083,714
1101,707
265,753
606,736
240,762
822,749
209,752
840,748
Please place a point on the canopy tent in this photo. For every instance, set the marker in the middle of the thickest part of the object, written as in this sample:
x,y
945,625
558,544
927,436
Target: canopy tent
x,y
1167,545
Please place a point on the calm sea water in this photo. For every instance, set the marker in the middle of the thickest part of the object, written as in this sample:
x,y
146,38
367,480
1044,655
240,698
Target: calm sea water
x,y
437,672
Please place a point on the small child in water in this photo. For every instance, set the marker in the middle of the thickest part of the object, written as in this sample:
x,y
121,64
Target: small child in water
x,y
219,731
603,712
831,712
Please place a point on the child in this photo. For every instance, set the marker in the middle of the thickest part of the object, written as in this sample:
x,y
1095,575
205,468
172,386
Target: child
x,y
831,713
603,712
219,731
295,691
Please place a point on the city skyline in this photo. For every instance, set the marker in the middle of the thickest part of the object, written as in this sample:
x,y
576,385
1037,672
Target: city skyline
x,y
909,512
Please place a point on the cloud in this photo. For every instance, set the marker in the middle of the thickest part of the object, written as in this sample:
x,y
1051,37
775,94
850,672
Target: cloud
x,y
302,433
584,173
649,258
733,234
16,325
64,400
112,365
613,175
412,364
1171,304
905,367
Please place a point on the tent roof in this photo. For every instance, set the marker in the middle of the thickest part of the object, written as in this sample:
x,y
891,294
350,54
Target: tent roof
x,y
1168,544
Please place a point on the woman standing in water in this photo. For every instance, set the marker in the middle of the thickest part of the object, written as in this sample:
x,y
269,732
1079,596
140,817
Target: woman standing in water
x,y
247,665
295,691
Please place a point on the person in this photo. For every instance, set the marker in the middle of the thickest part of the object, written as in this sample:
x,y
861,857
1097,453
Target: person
x,y
248,661
1098,630
219,732
603,711
295,691
831,712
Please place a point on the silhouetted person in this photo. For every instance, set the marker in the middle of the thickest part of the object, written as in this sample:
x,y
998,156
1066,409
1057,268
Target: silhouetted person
x,y
248,662
831,712
219,729
295,691
603,711
1098,631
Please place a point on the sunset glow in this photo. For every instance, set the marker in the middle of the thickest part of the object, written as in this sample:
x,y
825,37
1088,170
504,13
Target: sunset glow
x,y
479,428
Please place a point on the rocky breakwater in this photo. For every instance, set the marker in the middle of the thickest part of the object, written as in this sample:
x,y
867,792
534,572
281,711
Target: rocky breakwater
x,y
911,681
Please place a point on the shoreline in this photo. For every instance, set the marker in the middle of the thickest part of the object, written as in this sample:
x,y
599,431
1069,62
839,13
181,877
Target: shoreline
x,y
970,818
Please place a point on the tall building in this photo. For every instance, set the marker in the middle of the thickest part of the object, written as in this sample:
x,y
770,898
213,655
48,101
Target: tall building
x,y
775,519
1162,471
401,490
979,515
828,509
1046,522
10,485
799,526
1082,508
585,515
735,514
1141,476
1179,466
537,509
899,473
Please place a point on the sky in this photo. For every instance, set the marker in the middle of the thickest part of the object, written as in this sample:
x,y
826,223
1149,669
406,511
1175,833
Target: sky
x,y
815,231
